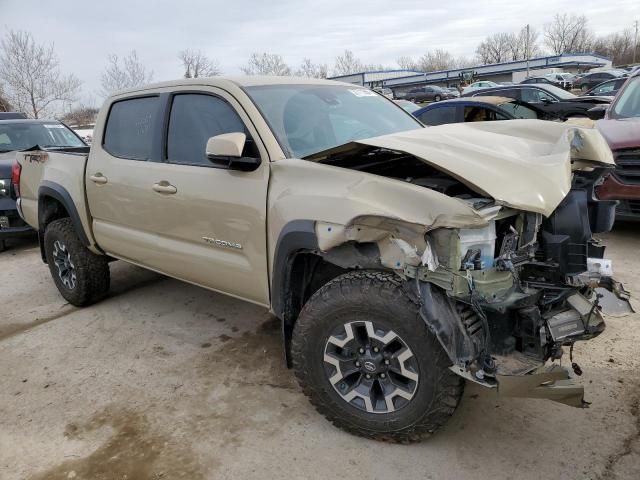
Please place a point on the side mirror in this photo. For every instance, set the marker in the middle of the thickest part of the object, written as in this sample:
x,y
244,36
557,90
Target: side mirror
x,y
546,100
226,150
597,112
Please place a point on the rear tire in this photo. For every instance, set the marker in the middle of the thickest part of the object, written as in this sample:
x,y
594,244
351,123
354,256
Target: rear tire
x,y
437,98
411,391
82,277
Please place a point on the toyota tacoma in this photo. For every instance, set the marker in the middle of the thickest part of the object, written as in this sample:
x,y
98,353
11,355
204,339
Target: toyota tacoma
x,y
401,260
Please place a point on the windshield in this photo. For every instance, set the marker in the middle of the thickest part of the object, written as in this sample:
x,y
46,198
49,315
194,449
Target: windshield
x,y
627,104
20,136
308,119
557,91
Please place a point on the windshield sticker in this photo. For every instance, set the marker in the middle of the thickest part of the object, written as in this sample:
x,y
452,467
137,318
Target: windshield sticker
x,y
362,92
53,125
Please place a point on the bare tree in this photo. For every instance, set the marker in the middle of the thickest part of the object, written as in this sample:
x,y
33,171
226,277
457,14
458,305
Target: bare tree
x,y
266,64
520,42
127,72
568,33
196,64
618,46
347,63
32,77
81,115
407,63
495,48
5,106
436,60
312,70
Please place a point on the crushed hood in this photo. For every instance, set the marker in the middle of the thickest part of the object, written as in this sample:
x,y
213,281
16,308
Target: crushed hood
x,y
524,164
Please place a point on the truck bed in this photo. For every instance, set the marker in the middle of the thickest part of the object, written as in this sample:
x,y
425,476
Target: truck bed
x,y
60,173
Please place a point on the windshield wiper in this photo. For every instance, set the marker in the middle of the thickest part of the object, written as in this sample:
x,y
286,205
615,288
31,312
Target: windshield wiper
x,y
6,151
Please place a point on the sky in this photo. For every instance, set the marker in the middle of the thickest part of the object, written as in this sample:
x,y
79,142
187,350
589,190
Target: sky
x,y
377,31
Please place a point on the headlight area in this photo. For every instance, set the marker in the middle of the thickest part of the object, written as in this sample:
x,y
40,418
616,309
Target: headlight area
x,y
506,298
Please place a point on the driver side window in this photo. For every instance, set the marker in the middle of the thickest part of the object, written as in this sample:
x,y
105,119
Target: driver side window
x,y
194,119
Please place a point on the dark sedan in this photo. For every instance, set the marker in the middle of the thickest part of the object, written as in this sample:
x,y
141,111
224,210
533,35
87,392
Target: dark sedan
x,y
607,89
590,80
428,94
555,102
479,109
19,135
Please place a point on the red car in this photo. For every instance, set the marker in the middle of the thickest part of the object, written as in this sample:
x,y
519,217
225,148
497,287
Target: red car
x,y
621,128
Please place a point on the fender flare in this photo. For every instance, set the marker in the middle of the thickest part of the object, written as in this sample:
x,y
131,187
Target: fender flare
x,y
296,236
60,194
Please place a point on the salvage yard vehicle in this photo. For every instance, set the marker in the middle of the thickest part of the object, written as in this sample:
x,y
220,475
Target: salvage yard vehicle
x,y
621,129
18,133
554,101
401,260
590,80
428,93
609,88
477,109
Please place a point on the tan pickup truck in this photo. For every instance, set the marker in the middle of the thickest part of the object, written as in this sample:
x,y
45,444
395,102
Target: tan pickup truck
x,y
401,260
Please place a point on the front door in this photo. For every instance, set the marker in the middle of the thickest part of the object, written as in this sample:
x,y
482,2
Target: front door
x,y
158,201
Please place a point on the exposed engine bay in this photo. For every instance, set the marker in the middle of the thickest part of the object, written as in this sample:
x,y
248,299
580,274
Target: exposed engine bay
x,y
504,298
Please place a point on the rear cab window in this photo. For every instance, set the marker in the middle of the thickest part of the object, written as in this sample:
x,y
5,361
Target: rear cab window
x,y
132,127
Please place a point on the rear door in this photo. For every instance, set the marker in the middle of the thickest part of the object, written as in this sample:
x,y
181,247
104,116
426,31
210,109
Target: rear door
x,y
159,202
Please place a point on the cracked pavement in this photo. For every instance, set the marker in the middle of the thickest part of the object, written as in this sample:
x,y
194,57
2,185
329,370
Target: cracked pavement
x,y
165,380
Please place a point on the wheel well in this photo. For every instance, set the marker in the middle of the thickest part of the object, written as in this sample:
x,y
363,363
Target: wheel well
x,y
50,209
307,273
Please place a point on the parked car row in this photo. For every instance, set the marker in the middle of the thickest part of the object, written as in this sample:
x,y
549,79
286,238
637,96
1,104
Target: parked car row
x,y
555,102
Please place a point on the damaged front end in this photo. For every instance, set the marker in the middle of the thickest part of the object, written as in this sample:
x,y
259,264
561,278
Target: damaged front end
x,y
506,298
505,295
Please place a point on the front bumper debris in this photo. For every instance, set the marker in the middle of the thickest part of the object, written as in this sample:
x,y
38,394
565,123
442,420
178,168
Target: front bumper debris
x,y
551,382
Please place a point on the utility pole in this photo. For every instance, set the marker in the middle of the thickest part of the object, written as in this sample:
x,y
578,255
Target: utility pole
x,y
635,41
527,47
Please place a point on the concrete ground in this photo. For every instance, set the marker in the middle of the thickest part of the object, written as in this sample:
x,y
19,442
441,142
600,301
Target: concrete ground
x,y
163,380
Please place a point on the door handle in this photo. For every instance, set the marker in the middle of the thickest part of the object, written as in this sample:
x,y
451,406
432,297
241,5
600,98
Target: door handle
x,y
98,178
164,187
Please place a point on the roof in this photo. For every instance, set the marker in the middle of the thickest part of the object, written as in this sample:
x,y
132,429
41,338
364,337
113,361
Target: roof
x,y
239,80
26,120
493,100
565,59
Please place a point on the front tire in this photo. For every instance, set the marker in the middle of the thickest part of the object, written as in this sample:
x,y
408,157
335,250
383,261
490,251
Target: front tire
x,y
368,362
437,98
82,277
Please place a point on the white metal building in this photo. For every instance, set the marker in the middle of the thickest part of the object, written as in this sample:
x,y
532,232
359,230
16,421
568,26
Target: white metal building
x,y
498,72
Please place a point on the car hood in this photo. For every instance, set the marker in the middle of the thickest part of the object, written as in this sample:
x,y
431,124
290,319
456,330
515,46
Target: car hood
x,y
524,164
620,133
591,99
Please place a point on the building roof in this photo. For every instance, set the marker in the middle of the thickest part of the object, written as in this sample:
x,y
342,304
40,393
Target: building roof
x,y
554,61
